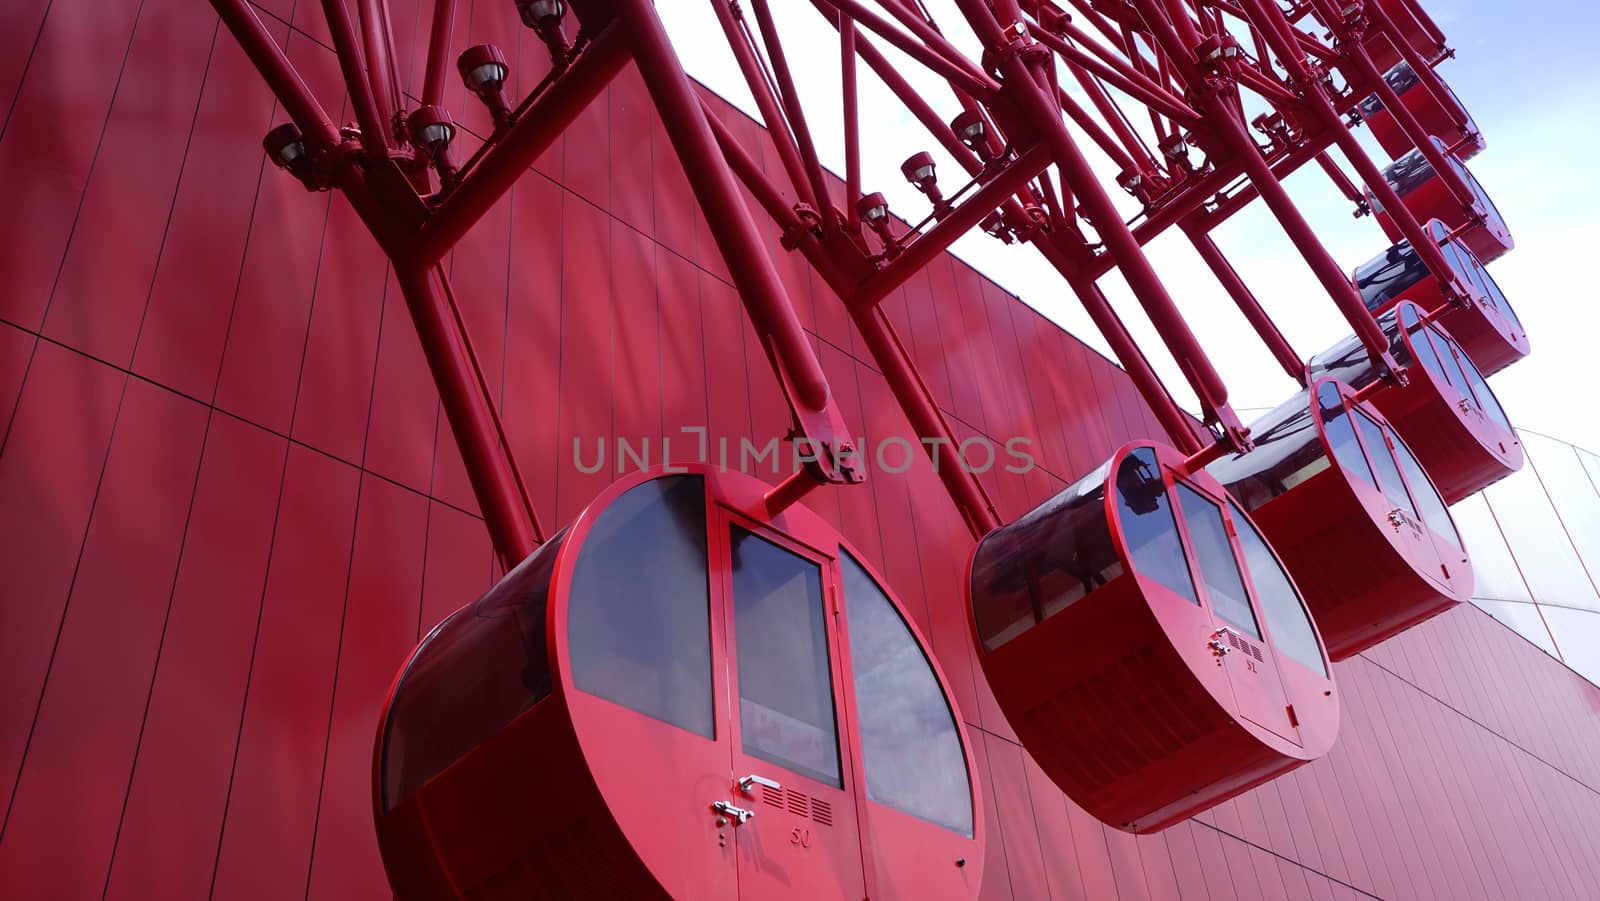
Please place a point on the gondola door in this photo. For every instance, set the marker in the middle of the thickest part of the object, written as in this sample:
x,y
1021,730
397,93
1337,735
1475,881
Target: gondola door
x,y
793,817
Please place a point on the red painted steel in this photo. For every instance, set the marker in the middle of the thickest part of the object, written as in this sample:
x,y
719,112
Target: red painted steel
x,y
1424,197
473,814
1448,118
1119,673
1326,488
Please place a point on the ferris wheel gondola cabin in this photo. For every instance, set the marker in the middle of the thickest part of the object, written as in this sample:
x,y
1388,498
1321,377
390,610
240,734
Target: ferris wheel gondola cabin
x,y
1408,17
679,696
1477,315
1481,227
1352,514
1146,644
1444,116
1445,412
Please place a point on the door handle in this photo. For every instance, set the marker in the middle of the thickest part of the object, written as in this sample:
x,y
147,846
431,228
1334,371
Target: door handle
x,y
748,783
738,814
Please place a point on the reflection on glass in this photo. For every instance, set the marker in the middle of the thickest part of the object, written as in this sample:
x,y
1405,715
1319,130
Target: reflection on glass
x,y
1051,557
1148,528
1421,347
1287,453
473,674
1494,571
638,620
1450,363
1393,487
1218,566
780,635
910,748
1341,434
1561,472
1480,389
1382,278
1538,539
1285,612
1430,504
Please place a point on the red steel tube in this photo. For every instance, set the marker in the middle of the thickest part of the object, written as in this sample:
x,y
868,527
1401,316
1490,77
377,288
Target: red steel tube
x,y
794,113
916,402
962,219
955,68
538,127
771,113
316,129
1340,180
1141,276
1123,78
509,518
380,61
1242,296
852,124
735,232
750,173
374,129
439,36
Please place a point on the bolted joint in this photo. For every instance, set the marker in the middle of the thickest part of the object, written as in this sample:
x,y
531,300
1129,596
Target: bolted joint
x,y
484,71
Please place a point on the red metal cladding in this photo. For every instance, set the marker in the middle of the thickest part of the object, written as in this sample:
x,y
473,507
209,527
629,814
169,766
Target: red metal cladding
x,y
679,697
1478,316
1329,482
1147,645
1445,412
1447,117
1415,26
1481,227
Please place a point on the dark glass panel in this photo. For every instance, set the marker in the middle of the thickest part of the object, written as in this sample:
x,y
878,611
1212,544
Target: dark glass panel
x,y
1445,351
1218,566
473,674
1341,434
1042,563
638,619
1281,605
1422,350
1148,528
1480,390
1394,487
1382,278
786,712
1429,503
910,748
1287,453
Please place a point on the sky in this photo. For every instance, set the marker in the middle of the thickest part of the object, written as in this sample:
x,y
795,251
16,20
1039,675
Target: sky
x,y
1529,72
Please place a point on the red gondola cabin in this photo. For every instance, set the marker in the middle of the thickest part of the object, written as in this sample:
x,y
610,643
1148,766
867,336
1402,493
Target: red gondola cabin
x,y
1444,116
1445,411
1147,645
677,698
1481,229
1479,317
1353,515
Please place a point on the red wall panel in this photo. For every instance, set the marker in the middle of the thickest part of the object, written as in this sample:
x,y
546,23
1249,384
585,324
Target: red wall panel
x,y
200,617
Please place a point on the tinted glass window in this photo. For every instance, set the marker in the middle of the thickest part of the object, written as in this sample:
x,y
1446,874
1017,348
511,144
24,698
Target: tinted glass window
x,y
1285,612
1151,533
1421,347
1218,567
473,674
781,641
1341,434
1480,389
1394,488
1383,277
638,621
1447,361
910,748
1287,453
1429,504
1496,296
1043,562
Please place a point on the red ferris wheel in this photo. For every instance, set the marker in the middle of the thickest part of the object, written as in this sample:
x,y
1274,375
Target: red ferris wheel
x,y
1159,634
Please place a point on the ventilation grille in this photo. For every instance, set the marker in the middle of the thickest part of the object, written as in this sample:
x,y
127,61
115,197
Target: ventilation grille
x,y
772,797
798,804
1244,644
821,812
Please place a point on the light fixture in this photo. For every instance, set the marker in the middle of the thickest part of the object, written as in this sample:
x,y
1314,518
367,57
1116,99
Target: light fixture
x,y
544,17
286,147
484,70
970,129
431,132
994,225
919,171
873,207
